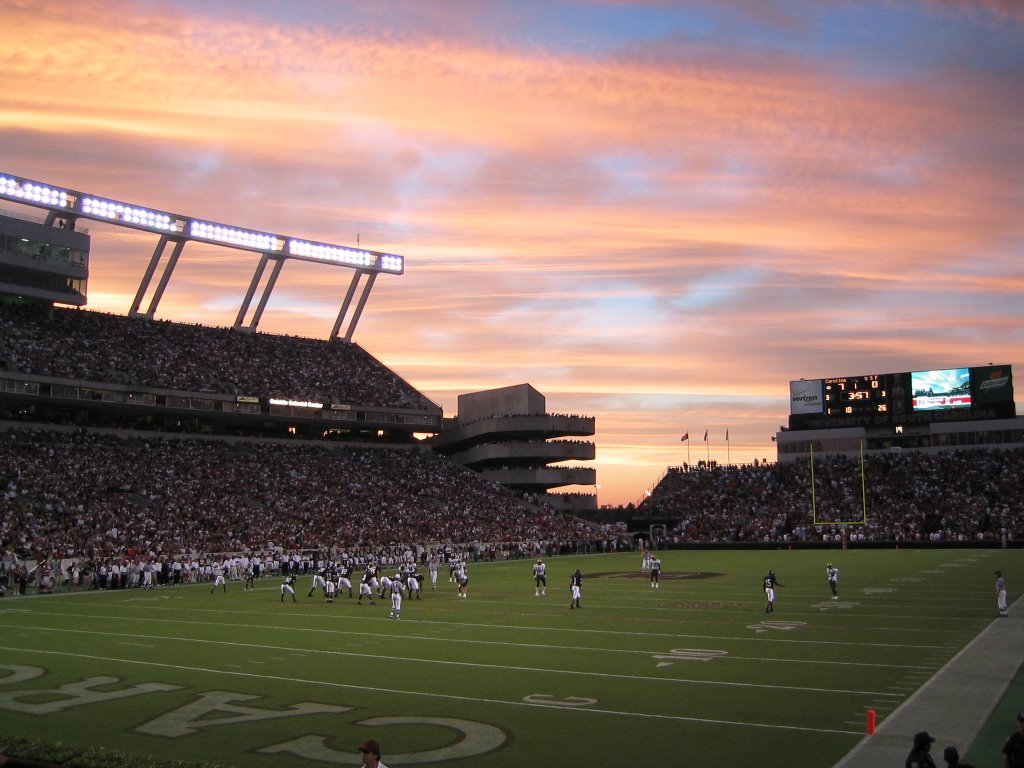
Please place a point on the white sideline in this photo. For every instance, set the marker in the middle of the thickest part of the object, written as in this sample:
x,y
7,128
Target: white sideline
x,y
956,703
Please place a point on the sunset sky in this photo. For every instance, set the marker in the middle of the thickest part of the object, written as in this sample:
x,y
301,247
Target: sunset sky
x,y
656,213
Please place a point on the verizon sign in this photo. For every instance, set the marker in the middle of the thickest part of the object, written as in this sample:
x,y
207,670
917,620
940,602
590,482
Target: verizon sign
x,y
805,396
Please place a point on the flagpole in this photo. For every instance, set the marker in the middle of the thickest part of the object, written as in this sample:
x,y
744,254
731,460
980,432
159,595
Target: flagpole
x,y
728,459
688,449
707,447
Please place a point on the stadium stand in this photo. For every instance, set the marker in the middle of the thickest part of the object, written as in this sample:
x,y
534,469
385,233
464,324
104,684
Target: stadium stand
x,y
76,493
72,489
94,346
951,496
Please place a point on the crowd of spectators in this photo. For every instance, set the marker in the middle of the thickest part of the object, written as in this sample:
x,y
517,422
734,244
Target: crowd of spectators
x,y
136,497
100,347
953,496
75,493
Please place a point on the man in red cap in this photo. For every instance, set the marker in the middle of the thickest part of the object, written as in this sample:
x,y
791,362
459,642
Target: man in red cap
x,y
371,754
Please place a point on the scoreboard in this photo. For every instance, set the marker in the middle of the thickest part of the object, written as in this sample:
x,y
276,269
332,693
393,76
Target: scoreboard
x,y
856,396
951,394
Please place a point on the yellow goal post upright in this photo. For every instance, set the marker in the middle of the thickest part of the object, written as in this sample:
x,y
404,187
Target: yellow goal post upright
x,y
863,495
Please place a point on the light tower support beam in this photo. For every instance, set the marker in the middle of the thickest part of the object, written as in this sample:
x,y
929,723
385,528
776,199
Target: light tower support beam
x,y
267,290
367,287
165,278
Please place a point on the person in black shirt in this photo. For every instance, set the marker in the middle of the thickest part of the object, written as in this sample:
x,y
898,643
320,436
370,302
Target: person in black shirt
x,y
770,582
288,588
952,758
1013,749
920,755
576,588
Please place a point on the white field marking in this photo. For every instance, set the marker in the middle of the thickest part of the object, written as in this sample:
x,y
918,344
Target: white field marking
x,y
831,605
649,600
943,597
140,645
429,695
568,701
150,598
478,665
793,604
546,630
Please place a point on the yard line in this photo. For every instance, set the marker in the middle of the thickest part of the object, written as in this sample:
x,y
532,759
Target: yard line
x,y
505,667
548,630
396,691
925,670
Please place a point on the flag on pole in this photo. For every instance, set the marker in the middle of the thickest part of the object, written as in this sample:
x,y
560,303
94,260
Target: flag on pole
x,y
684,438
705,435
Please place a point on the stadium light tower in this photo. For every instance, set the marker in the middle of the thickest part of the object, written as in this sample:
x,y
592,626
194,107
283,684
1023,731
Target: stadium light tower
x,y
66,206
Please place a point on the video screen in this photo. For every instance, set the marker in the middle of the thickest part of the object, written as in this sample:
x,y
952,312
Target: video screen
x,y
941,390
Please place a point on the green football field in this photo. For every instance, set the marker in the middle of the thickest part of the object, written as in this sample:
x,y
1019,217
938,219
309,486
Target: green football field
x,y
692,673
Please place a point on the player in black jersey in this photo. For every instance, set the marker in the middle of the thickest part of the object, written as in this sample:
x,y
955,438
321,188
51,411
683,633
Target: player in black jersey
x,y
319,582
345,577
770,582
288,588
365,590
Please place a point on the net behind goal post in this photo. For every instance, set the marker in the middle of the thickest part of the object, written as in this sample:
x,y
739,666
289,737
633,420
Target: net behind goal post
x,y
863,519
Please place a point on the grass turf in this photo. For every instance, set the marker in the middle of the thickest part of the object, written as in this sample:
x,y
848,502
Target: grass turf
x,y
691,673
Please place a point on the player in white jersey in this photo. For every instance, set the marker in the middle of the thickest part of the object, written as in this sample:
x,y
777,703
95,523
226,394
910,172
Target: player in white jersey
x,y
832,574
645,564
432,569
288,588
540,578
1001,606
462,579
396,596
220,581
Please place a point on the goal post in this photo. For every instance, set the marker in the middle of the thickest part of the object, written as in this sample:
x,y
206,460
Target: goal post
x,y
863,494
